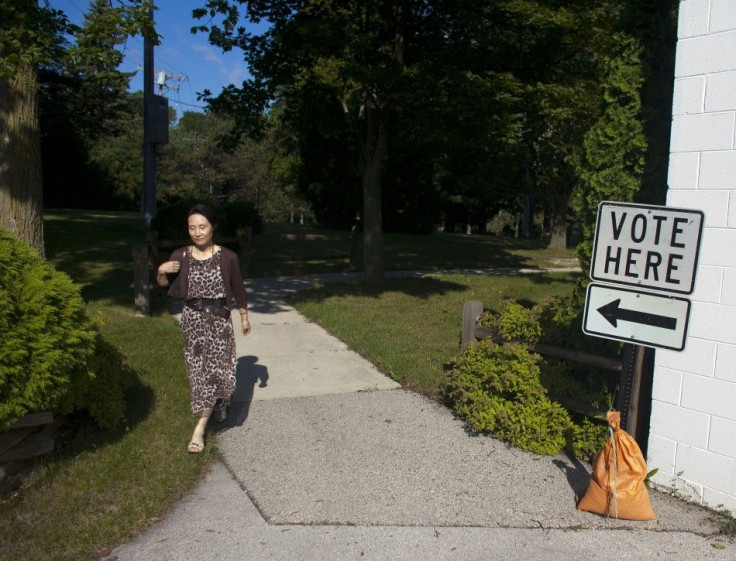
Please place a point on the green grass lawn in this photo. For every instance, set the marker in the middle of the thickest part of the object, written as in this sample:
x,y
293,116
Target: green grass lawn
x,y
288,249
411,328
102,488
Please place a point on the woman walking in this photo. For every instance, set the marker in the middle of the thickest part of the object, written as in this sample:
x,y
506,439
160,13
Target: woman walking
x,y
207,276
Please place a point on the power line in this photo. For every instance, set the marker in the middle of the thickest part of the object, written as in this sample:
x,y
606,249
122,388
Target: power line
x,y
187,104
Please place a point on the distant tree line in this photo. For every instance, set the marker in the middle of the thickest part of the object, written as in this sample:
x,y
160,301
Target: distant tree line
x,y
414,113
406,114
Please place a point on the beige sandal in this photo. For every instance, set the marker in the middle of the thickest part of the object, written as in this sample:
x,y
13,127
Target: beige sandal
x,y
195,448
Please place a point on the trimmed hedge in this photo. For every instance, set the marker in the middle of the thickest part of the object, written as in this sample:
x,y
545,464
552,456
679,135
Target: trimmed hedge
x,y
51,355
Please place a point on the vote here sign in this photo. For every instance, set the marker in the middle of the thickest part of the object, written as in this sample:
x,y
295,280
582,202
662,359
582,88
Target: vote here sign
x,y
647,246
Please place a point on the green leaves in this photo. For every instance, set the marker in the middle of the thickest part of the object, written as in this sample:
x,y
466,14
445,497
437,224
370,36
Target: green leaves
x,y
29,35
46,338
497,389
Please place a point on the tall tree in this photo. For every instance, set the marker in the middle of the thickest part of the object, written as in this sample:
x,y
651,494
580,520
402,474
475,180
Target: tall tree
x,y
84,102
615,147
29,35
353,49
33,36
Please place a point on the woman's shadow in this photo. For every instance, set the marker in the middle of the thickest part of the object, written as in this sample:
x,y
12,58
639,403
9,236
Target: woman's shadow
x,y
248,373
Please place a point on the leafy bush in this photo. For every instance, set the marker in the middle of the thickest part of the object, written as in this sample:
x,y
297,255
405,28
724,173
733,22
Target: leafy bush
x,y
47,343
497,389
587,438
515,322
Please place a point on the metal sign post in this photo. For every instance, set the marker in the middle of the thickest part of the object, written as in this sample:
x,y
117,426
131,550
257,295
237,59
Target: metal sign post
x,y
644,260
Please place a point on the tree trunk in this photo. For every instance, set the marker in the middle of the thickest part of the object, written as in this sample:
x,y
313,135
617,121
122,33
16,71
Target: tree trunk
x,y
558,229
21,189
373,158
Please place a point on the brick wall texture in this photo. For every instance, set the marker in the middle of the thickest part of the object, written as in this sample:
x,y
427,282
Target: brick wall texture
x,y
693,423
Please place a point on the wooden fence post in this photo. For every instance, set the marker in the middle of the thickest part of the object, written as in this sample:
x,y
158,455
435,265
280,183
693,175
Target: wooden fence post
x,y
472,310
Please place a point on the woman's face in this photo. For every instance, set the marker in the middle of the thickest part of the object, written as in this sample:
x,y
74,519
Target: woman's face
x,y
200,230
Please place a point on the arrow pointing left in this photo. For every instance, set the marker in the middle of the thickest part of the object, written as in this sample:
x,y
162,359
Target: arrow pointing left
x,y
613,312
637,317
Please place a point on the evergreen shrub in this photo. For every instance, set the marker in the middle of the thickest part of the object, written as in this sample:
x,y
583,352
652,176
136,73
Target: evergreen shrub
x,y
238,215
51,355
515,322
496,389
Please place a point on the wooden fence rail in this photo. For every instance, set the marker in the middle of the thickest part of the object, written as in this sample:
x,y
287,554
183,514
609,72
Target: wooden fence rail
x,y
634,369
473,333
25,440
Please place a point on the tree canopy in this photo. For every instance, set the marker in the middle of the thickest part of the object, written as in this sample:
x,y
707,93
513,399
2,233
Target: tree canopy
x,y
440,111
33,38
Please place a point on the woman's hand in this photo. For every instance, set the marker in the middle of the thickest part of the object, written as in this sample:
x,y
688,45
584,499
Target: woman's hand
x,y
167,267
244,323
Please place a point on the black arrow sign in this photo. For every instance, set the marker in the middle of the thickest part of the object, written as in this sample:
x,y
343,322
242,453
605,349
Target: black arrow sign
x,y
613,313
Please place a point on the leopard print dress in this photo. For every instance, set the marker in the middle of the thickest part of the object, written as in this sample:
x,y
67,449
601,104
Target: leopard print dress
x,y
209,341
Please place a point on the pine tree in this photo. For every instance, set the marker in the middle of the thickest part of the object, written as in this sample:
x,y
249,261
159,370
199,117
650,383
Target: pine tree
x,y
614,148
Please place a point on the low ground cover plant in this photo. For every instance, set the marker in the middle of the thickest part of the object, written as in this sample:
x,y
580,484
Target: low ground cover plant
x,y
497,389
504,389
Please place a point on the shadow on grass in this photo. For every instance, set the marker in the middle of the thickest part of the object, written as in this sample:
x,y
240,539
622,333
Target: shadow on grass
x,y
421,288
79,431
95,250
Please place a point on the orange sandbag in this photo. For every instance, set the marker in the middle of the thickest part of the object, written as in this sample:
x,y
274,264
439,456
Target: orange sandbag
x,y
617,486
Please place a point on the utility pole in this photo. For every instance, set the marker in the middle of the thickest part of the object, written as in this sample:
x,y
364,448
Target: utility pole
x,y
148,196
155,131
162,76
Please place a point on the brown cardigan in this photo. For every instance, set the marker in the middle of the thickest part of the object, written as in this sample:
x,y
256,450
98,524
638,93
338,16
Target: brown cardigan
x,y
230,267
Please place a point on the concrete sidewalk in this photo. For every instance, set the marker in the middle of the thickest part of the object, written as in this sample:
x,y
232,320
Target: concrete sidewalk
x,y
323,457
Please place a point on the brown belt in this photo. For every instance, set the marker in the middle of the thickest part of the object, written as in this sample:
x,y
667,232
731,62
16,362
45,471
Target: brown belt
x,y
214,306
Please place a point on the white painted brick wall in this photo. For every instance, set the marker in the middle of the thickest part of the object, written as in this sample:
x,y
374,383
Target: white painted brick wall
x,y
722,15
706,131
717,170
705,54
684,426
693,424
684,171
721,91
726,365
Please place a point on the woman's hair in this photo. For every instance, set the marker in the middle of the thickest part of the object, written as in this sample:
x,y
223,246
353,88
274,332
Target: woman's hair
x,y
205,211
